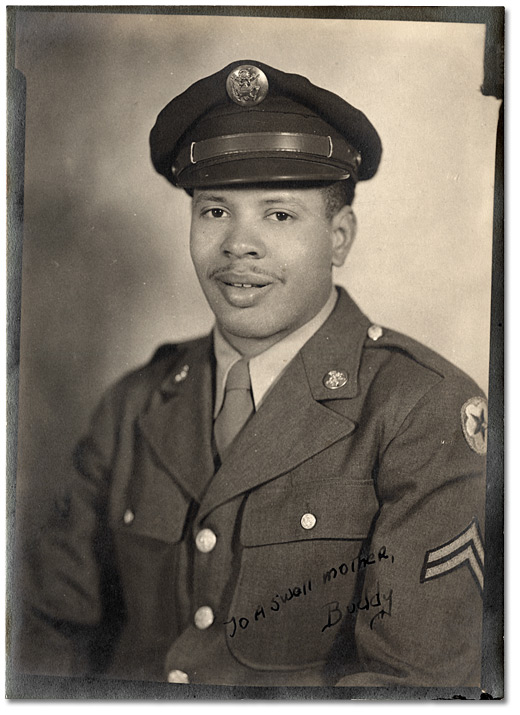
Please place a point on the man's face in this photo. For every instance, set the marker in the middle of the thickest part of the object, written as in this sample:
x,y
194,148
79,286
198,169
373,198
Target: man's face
x,y
264,259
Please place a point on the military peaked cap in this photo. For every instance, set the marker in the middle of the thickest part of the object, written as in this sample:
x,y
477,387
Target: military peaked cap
x,y
251,123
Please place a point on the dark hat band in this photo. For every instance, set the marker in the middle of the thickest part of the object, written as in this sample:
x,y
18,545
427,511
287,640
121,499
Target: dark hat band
x,y
336,150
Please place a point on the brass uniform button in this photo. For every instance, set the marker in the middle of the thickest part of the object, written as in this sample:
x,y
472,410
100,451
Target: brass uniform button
x,y
178,676
308,521
205,540
375,332
128,517
203,617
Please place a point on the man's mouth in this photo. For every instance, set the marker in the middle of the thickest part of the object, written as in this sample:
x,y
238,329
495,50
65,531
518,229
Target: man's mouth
x,y
242,288
243,279
244,285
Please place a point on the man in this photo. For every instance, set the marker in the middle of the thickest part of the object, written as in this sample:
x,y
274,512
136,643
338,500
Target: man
x,y
297,498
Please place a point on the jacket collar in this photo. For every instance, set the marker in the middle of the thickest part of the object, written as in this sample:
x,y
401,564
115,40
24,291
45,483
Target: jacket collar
x,y
338,345
293,423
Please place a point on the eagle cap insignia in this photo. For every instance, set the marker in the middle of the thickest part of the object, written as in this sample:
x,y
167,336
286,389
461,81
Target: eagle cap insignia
x,y
247,85
474,416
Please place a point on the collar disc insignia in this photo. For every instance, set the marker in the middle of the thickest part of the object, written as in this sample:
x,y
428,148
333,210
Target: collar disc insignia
x,y
247,85
335,379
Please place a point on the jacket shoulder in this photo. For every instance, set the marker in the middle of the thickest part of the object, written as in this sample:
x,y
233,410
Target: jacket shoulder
x,y
404,378
415,361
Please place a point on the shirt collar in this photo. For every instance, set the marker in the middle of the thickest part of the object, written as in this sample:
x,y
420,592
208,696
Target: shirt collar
x,y
267,367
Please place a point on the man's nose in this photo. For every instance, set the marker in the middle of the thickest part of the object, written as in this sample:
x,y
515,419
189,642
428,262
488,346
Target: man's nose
x,y
243,239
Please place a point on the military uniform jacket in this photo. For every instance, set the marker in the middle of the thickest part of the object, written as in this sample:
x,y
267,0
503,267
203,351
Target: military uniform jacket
x,y
345,523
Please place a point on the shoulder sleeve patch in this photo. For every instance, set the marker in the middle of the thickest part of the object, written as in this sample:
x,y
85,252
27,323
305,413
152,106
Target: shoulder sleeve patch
x,y
474,417
465,549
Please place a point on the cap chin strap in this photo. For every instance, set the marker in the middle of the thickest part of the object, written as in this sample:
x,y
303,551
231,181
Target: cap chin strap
x,y
267,142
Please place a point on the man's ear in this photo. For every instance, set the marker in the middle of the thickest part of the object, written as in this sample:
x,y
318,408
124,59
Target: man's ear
x,y
344,227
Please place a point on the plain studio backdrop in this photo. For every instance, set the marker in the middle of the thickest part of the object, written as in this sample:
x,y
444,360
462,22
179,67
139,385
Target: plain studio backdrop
x,y
107,275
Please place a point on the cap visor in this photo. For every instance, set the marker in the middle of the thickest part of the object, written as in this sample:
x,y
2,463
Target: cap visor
x,y
259,170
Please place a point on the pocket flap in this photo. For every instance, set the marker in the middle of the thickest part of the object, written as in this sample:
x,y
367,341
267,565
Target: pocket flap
x,y
329,509
154,505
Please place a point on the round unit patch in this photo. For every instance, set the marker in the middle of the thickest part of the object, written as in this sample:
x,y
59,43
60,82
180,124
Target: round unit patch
x,y
247,85
474,416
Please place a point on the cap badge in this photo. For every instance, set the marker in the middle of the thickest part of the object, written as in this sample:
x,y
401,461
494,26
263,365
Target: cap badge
x,y
247,85
474,416
335,379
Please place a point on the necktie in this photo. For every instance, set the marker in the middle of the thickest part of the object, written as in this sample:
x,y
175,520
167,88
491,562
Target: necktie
x,y
237,407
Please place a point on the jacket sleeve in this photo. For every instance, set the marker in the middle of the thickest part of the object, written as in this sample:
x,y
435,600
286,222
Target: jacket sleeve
x,y
422,626
70,572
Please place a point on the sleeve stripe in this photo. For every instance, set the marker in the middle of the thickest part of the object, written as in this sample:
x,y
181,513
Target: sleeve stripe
x,y
457,560
468,536
465,549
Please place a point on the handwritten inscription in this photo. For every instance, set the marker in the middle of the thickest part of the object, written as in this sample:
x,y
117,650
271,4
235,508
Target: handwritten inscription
x,y
291,593
335,611
380,601
358,564
277,602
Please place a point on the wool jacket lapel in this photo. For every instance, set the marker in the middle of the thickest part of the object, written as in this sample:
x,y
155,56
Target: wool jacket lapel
x,y
338,345
178,424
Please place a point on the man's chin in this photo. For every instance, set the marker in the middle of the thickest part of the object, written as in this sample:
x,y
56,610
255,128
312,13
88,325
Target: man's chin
x,y
249,328
246,332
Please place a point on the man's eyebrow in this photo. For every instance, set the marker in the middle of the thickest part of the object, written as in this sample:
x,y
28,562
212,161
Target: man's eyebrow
x,y
283,200
204,196
221,199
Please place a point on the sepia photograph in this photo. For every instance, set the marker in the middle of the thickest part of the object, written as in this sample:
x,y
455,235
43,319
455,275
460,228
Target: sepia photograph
x,y
255,309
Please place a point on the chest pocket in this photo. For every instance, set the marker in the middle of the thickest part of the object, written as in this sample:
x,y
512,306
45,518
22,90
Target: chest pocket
x,y
332,508
293,531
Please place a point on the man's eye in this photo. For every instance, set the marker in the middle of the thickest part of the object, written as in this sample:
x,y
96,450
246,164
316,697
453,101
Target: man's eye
x,y
280,216
214,213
